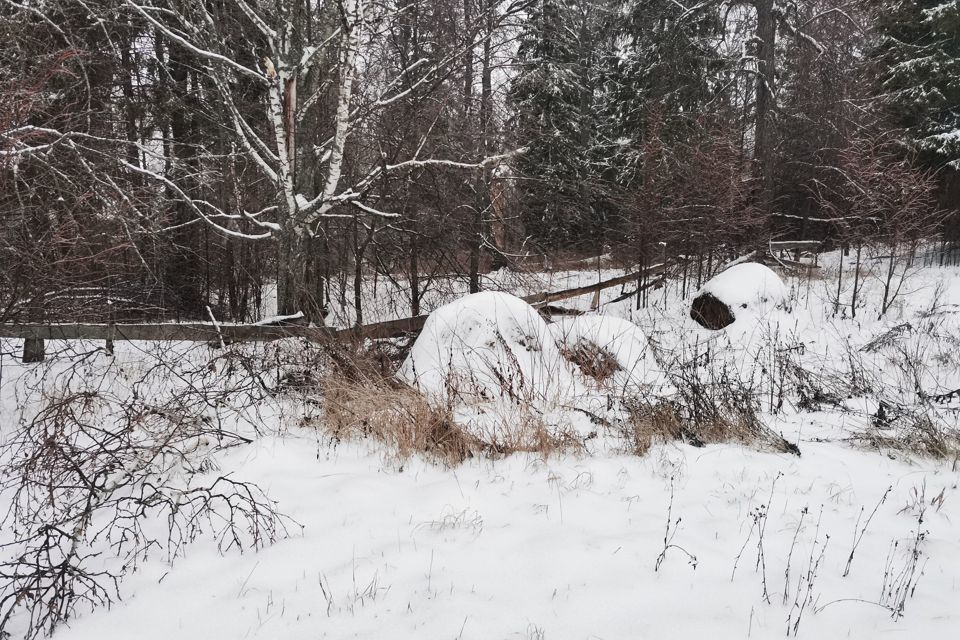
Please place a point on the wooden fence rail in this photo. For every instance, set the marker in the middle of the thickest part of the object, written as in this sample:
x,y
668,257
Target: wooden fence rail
x,y
793,245
34,334
163,331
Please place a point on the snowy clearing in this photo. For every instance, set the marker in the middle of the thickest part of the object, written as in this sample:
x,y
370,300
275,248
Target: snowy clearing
x,y
856,537
564,549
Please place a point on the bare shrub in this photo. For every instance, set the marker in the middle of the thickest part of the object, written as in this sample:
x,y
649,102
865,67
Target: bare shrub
x,y
719,399
717,406
905,563
917,430
880,198
94,460
905,370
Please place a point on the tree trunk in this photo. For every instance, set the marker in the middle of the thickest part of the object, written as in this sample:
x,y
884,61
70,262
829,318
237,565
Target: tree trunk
x,y
766,101
483,176
290,274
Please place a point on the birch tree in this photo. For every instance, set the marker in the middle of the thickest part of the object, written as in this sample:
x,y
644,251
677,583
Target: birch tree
x,y
299,57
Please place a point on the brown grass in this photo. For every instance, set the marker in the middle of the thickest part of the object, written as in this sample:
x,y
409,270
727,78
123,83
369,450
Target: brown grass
x,y
650,425
359,399
592,359
673,421
912,432
398,417
407,423
525,431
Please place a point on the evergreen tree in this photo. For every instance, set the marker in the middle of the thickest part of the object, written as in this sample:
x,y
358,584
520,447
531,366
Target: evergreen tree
x,y
553,101
918,58
662,76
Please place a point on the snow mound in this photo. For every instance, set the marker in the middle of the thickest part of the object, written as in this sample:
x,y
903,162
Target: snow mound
x,y
745,290
488,346
625,342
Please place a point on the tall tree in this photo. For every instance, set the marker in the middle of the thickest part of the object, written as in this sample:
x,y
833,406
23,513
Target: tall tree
x,y
918,66
296,55
666,70
553,101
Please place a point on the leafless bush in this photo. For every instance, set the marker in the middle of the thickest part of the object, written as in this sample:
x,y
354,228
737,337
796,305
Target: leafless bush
x,y
911,429
910,361
904,565
759,516
96,459
804,595
858,532
714,404
882,199
670,532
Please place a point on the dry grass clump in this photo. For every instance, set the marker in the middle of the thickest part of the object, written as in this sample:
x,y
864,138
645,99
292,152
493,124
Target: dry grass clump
x,y
711,406
592,359
353,387
906,430
407,424
397,416
650,425
526,431
699,421
716,407
359,399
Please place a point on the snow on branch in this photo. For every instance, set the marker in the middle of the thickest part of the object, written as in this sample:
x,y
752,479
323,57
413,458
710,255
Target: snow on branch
x,y
193,48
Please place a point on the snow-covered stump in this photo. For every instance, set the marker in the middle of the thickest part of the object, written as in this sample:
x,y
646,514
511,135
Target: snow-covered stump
x,y
743,290
493,362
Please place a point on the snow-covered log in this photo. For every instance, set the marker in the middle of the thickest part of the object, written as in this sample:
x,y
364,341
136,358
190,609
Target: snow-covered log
x,y
746,289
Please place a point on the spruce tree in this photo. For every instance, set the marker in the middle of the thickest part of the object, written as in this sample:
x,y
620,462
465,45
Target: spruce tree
x,y
554,116
663,74
918,64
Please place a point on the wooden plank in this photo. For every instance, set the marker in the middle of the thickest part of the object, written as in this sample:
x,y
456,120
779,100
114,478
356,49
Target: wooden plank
x,y
646,285
405,326
386,329
538,299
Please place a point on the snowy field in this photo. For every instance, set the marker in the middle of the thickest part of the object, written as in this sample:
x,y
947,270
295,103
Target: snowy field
x,y
857,537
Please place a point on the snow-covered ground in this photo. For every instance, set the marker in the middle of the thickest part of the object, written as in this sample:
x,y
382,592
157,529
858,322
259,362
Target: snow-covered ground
x,y
722,540
564,548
